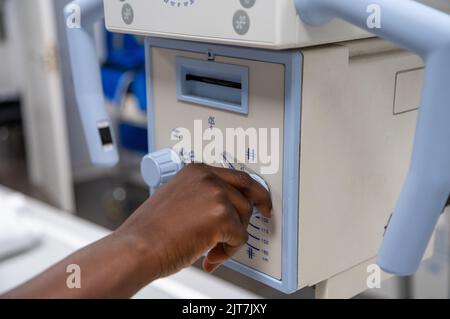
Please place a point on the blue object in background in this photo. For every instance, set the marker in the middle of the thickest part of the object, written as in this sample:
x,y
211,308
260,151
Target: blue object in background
x,y
124,51
124,73
133,138
139,89
125,60
116,83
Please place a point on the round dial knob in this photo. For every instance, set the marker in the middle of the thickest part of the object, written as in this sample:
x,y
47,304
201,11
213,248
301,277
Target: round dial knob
x,y
159,167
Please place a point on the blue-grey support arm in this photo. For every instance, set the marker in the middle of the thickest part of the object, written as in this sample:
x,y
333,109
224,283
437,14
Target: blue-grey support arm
x,y
81,16
425,31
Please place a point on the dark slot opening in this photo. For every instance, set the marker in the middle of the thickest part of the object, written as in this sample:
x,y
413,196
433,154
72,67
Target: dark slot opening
x,y
208,80
105,136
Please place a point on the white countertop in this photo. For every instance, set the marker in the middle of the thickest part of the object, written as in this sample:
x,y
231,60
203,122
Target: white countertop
x,y
64,234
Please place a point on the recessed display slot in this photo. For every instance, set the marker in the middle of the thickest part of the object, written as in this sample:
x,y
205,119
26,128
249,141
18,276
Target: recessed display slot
x,y
213,84
208,80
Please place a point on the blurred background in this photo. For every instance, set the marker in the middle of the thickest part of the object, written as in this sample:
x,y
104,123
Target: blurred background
x,y
41,139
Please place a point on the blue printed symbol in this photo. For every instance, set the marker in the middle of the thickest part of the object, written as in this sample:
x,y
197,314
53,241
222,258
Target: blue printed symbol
x,y
251,156
250,253
212,122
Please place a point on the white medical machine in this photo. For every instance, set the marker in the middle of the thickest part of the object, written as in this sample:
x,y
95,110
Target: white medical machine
x,y
362,154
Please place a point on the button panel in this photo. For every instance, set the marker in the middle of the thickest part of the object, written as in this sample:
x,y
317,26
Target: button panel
x,y
181,125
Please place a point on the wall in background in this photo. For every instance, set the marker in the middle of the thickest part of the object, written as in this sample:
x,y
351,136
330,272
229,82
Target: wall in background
x,y
43,105
9,75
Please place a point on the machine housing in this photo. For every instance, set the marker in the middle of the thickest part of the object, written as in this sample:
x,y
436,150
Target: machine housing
x,y
345,106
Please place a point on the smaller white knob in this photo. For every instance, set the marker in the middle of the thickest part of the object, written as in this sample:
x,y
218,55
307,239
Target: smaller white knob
x,y
159,167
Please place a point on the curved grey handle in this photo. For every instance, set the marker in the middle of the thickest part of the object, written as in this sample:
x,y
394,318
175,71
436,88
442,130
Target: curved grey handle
x,y
425,31
81,15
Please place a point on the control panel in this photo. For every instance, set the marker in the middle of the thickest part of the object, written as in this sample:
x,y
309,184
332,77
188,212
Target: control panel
x,y
159,167
255,23
199,116
270,24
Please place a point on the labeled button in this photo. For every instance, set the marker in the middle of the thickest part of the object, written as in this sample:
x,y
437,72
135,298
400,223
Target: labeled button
x,y
248,3
127,14
241,22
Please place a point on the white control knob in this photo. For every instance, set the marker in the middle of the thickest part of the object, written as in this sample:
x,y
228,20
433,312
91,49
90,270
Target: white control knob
x,y
159,167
